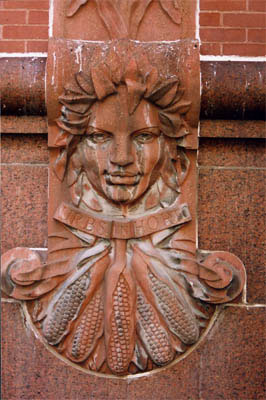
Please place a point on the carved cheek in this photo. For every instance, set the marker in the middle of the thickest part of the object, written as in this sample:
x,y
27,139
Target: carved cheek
x,y
151,155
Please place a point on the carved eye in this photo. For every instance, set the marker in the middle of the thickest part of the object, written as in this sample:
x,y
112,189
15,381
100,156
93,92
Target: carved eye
x,y
144,137
99,137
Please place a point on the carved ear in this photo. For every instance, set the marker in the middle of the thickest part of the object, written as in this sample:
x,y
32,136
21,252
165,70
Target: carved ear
x,y
182,165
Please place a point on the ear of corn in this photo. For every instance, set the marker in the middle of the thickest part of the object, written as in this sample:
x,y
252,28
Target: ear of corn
x,y
88,330
179,318
65,310
152,333
120,343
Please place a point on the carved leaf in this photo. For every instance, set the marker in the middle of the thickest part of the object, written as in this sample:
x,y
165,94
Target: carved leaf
x,y
74,6
112,19
138,9
172,10
122,24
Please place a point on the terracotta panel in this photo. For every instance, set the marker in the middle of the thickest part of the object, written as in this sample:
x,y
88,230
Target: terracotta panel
x,y
24,206
231,217
24,149
233,356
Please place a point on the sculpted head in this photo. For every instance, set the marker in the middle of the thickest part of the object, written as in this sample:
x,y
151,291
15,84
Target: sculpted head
x,y
129,121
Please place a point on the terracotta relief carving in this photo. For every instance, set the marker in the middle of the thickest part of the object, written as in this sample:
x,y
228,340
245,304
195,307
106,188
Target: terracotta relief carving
x,y
122,18
123,289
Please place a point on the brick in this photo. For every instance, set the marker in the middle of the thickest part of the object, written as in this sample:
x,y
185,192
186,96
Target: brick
x,y
257,35
12,46
213,49
12,17
223,5
209,19
27,4
245,20
39,17
247,50
257,5
25,32
37,46
222,35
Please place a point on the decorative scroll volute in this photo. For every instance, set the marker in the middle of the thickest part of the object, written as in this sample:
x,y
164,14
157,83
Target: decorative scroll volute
x,y
123,289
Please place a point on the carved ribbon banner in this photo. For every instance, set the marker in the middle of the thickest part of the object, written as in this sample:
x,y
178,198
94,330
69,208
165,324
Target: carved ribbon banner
x,y
123,288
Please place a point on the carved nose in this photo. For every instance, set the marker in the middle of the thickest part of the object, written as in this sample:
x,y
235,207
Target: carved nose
x,y
121,154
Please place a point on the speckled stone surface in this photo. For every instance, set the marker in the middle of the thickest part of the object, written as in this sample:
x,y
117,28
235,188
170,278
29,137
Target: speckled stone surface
x,y
232,359
231,216
231,152
233,129
228,365
22,85
233,90
24,149
24,205
32,124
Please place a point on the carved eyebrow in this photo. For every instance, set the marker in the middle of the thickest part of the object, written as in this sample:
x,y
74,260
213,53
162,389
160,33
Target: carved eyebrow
x,y
151,129
93,129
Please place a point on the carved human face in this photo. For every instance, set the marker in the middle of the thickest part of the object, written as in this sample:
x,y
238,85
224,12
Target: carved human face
x,y
122,153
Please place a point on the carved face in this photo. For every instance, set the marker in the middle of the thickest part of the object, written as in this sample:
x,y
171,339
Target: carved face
x,y
122,153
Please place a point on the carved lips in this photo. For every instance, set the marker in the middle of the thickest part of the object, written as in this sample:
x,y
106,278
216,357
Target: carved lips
x,y
120,178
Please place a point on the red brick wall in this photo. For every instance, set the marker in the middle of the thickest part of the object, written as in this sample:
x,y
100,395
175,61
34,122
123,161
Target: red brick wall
x,y
233,27
227,27
24,25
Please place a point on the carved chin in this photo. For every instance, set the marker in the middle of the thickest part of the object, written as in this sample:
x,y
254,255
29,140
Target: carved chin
x,y
121,193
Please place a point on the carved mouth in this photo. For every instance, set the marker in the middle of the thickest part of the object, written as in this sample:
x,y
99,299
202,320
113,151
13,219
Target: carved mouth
x,y
122,179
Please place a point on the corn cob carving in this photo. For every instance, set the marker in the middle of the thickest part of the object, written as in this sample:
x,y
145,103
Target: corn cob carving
x,y
88,330
65,310
152,333
119,351
179,319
